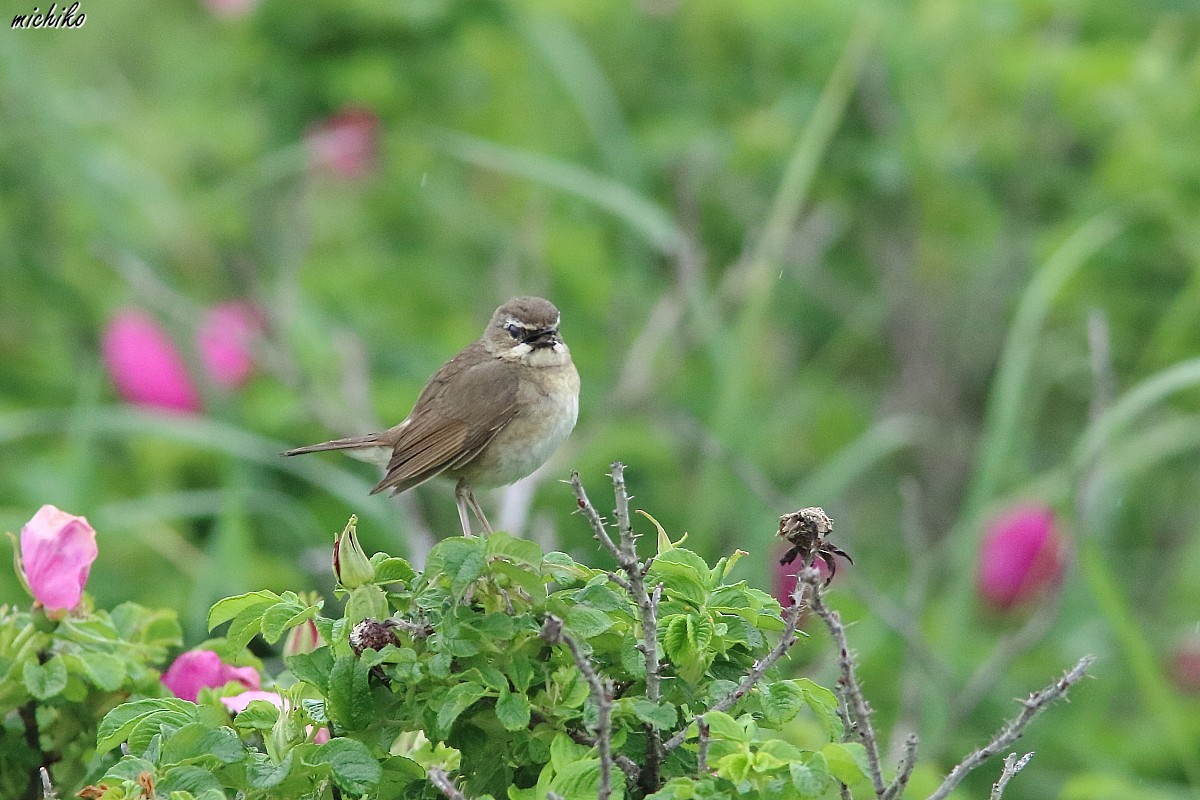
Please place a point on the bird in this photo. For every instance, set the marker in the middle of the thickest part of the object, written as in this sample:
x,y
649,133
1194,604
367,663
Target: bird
x,y
490,416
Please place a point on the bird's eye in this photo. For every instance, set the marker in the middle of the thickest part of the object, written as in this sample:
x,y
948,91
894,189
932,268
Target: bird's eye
x,y
515,331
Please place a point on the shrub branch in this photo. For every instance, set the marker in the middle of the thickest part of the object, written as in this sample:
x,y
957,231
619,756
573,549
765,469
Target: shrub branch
x,y
1012,765
441,781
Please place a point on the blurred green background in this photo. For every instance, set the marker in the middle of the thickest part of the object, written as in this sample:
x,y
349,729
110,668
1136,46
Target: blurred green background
x,y
911,262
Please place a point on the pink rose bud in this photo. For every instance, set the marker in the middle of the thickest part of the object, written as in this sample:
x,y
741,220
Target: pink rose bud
x,y
347,143
57,551
239,702
226,342
301,639
197,669
1021,557
1185,665
785,578
145,365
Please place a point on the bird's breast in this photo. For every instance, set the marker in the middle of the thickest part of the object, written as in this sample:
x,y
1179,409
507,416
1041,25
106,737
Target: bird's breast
x,y
548,406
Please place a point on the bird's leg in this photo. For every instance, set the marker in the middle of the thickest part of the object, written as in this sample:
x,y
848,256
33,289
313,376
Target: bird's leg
x,y
487,528
461,492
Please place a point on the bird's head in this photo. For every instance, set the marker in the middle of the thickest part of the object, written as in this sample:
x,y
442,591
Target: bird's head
x,y
525,329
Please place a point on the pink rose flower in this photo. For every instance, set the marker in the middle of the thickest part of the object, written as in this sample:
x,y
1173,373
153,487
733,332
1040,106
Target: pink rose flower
x,y
346,143
1021,557
1185,665
225,341
238,703
57,551
196,669
145,365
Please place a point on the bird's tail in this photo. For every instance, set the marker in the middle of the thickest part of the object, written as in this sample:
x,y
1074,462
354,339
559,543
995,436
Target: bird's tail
x,y
349,443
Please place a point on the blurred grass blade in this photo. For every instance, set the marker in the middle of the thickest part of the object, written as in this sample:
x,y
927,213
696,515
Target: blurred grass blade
x,y
585,83
209,434
1012,374
882,440
642,215
1138,400
1139,656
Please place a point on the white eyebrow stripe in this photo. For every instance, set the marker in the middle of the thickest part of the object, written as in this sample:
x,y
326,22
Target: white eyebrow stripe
x,y
518,323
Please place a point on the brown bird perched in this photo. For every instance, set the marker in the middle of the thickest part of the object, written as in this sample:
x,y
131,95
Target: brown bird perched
x,y
490,416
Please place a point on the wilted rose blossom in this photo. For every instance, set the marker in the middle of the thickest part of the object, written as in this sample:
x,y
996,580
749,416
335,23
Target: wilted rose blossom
x,y
145,365
347,143
785,578
1020,558
238,703
225,341
57,551
197,669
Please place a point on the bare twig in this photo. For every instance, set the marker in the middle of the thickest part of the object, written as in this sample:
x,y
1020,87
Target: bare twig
x,y
851,691
625,554
553,633
791,621
1012,765
624,762
48,792
441,781
702,749
895,789
1031,707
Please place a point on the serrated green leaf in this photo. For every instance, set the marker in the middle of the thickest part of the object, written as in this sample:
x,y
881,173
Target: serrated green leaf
x,y
583,622
354,769
810,775
263,773
700,630
459,559
348,699
128,768
723,726
520,670
259,715
579,780
512,709
824,705
230,607
44,681
313,668
781,701
460,697
391,569
522,551
196,780
198,742
675,637
281,617
118,722
659,715
847,761
684,576
734,767
104,671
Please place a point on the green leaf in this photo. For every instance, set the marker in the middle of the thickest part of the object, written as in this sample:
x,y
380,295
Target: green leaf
x,y
313,668
104,671
675,637
244,627
512,709
578,780
824,705
354,769
684,575
263,773
847,761
390,569
585,622
45,680
598,595
460,697
700,631
230,607
781,701
522,551
810,775
734,767
348,700
259,715
723,726
281,617
196,780
520,670
460,559
661,716
198,742
117,724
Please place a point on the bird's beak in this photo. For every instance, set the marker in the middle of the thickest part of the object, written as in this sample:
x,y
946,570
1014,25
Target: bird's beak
x,y
547,337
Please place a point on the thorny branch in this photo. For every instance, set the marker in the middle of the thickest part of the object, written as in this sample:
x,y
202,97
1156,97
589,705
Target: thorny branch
x,y
553,633
1030,708
441,781
851,691
625,553
1012,765
895,789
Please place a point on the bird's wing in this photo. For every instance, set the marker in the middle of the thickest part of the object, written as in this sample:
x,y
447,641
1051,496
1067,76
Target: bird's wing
x,y
460,411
